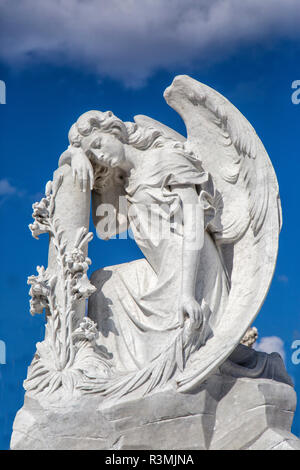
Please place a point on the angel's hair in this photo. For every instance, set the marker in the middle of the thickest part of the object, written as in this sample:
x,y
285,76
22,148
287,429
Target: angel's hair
x,y
142,138
130,133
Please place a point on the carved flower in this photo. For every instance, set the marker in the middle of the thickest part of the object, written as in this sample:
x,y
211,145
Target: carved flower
x,y
39,291
48,188
37,305
35,229
82,288
41,217
86,330
77,262
40,210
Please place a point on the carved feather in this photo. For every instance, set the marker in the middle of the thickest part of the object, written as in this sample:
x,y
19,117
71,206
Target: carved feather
x,y
230,150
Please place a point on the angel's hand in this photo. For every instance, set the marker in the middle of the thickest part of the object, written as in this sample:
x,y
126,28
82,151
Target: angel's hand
x,y
82,170
191,308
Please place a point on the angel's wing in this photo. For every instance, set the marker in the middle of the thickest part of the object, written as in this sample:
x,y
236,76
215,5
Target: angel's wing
x,y
146,121
249,211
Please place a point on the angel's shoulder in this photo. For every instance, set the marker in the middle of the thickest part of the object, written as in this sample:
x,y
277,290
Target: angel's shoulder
x,y
166,153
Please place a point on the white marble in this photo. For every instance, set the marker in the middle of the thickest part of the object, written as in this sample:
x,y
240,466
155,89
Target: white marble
x,y
205,211
226,414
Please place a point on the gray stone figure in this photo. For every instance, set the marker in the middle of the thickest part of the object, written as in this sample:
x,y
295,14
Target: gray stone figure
x,y
162,357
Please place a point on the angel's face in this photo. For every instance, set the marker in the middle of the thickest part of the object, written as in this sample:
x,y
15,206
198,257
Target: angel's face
x,y
106,148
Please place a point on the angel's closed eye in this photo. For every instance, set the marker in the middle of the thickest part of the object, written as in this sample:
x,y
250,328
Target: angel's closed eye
x,y
96,144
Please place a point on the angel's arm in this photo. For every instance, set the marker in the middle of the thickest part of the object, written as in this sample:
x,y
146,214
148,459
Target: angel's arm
x,y
193,238
82,169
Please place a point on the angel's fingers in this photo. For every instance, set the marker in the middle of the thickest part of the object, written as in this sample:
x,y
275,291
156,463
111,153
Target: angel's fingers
x,y
181,317
199,319
74,174
191,314
84,184
79,177
84,180
91,176
195,316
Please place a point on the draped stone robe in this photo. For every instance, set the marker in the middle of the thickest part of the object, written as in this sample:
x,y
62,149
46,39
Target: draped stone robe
x,y
136,306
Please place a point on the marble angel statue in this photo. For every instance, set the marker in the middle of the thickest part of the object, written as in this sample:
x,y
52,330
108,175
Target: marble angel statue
x,y
205,212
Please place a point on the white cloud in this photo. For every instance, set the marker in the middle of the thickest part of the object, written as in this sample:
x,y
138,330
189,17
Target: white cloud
x,y
271,344
131,39
6,189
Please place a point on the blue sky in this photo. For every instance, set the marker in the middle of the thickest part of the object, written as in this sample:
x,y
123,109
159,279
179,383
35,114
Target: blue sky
x,y
62,61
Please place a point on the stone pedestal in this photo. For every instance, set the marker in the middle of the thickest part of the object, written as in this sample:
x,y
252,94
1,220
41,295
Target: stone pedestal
x,y
224,413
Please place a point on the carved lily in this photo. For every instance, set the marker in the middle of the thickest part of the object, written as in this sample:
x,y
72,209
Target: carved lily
x,y
40,210
77,262
39,291
87,330
58,362
82,288
41,217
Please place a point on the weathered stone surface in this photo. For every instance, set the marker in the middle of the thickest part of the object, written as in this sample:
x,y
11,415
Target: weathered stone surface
x,y
224,413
